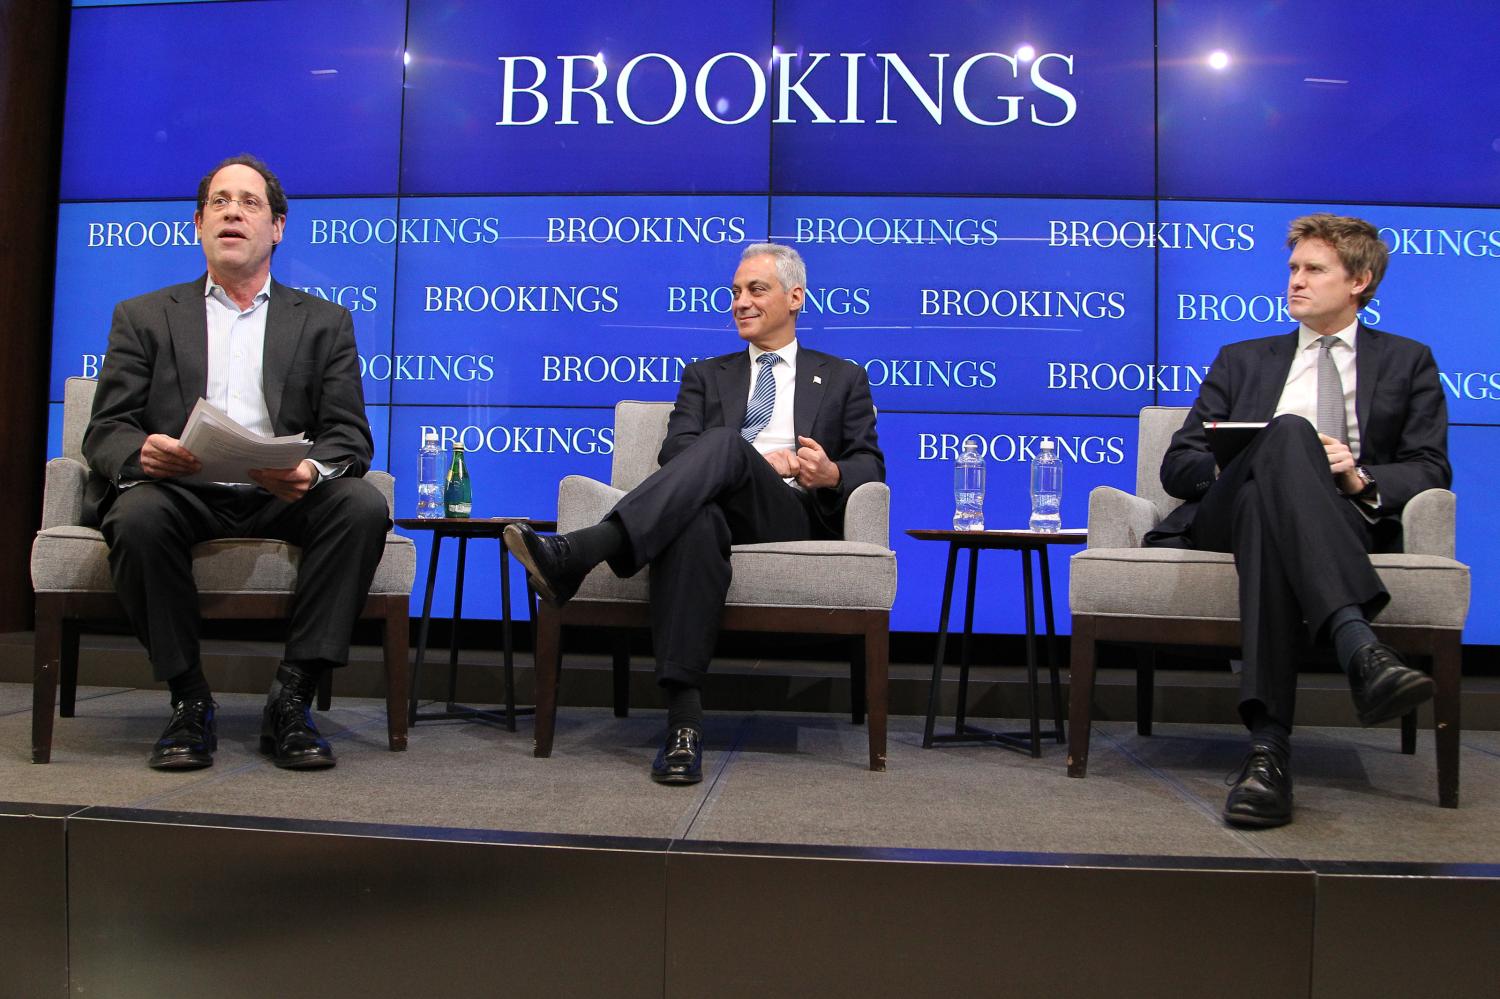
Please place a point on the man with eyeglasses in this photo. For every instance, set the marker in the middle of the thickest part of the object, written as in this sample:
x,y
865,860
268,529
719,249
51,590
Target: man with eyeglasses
x,y
278,362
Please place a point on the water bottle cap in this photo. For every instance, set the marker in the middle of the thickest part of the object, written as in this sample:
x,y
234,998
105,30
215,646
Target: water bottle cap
x,y
429,437
1047,444
971,445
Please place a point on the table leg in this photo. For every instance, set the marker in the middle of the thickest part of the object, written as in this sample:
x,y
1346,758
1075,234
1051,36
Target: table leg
x,y
458,614
963,655
416,670
1052,657
1031,681
942,646
506,639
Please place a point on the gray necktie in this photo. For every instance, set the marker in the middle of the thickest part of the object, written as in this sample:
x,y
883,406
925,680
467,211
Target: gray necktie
x,y
1332,418
762,400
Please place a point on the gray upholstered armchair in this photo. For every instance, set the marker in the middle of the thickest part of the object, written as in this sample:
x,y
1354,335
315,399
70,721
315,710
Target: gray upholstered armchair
x,y
825,587
236,577
1121,592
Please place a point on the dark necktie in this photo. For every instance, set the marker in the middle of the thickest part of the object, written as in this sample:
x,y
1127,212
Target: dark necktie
x,y
762,400
1332,418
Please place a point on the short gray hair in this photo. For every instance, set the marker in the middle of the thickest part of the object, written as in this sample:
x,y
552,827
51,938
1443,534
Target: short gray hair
x,y
790,270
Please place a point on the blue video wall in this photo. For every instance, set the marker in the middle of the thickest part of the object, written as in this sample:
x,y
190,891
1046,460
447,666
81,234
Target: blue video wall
x,y
1022,218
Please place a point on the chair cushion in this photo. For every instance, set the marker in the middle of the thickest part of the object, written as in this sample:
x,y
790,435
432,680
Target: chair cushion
x,y
838,574
1426,590
75,560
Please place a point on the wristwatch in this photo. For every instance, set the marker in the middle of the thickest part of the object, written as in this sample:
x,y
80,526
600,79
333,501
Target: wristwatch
x,y
1366,478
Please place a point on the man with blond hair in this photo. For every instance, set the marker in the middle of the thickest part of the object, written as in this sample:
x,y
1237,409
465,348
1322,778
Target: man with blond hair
x,y
1357,426
764,444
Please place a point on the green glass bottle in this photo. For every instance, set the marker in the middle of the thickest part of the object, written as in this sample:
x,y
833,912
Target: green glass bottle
x,y
458,493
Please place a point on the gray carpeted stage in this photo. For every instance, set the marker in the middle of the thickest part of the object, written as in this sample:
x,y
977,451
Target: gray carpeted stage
x,y
467,867
781,778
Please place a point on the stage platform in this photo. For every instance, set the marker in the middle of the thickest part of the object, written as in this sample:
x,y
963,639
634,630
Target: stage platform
x,y
467,867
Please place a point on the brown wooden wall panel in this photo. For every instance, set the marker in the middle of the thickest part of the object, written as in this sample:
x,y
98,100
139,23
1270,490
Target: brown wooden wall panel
x,y
225,911
812,926
32,65
33,900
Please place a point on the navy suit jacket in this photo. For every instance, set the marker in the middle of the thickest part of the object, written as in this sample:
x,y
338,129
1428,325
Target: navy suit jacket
x,y
1399,402
832,405
156,369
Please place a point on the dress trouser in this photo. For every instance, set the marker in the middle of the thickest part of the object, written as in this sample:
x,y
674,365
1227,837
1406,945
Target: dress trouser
x,y
1301,550
681,521
150,528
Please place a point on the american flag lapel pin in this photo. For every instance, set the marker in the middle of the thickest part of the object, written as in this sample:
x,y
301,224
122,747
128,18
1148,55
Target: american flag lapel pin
x,y
817,379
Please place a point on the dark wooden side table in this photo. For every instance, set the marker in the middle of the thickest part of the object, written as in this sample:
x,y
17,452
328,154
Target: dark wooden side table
x,y
1025,542
463,529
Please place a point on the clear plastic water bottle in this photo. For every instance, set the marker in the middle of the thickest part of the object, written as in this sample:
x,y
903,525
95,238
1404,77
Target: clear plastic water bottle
x,y
968,489
1046,488
429,486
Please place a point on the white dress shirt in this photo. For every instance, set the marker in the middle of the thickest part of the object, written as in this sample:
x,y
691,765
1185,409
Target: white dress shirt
x,y
1300,395
236,361
236,357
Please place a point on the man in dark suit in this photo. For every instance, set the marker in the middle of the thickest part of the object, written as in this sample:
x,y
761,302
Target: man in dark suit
x,y
1358,426
745,460
279,362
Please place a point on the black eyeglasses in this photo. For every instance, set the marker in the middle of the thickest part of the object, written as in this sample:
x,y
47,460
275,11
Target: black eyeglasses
x,y
250,205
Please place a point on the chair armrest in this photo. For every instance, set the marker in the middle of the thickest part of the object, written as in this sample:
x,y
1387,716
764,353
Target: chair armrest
x,y
386,483
1118,519
867,514
62,500
1427,523
583,502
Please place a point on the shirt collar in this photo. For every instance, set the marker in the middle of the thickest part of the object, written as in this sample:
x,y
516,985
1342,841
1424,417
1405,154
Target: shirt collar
x,y
210,286
1307,338
787,353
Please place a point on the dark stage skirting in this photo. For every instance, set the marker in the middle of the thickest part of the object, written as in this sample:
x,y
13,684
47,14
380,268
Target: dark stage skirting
x,y
467,867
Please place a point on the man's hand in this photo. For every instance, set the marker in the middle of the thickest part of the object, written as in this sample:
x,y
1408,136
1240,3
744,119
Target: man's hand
x,y
288,484
164,457
1341,464
815,469
785,463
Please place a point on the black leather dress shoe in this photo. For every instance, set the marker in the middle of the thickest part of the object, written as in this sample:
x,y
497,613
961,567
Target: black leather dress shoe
x,y
1262,793
189,740
546,561
1383,686
680,760
287,733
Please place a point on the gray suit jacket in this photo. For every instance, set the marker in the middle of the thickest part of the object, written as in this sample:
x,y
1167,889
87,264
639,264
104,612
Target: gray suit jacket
x,y
156,369
832,406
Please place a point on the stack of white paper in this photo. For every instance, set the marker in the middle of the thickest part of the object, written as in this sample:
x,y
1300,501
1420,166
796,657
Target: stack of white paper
x,y
228,451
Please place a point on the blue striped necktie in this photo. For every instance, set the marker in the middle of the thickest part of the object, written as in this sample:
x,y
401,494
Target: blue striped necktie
x,y
762,400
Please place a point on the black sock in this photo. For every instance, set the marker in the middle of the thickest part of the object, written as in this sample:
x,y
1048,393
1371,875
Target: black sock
x,y
596,544
307,671
1269,734
1348,630
684,707
189,685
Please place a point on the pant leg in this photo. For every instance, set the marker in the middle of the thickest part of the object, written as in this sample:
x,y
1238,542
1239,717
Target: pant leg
x,y
718,468
340,525
689,581
1301,551
151,529
682,520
